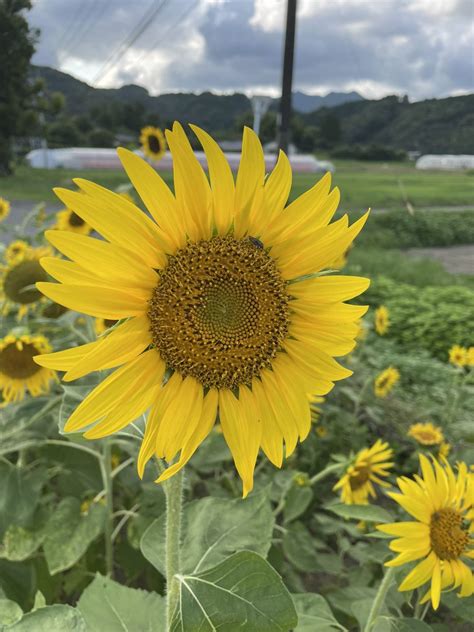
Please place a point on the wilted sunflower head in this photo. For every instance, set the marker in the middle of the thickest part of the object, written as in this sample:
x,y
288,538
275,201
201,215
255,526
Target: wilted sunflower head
x,y
18,371
367,467
426,433
458,356
382,321
225,312
385,381
68,220
16,251
153,142
441,503
18,279
4,209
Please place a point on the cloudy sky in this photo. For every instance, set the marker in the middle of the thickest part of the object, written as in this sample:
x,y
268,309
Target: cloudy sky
x,y
423,48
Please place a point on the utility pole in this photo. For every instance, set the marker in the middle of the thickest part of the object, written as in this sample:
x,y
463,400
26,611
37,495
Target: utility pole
x,y
287,80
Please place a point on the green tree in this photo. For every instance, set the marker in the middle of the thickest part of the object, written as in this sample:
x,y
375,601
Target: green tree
x,y
17,45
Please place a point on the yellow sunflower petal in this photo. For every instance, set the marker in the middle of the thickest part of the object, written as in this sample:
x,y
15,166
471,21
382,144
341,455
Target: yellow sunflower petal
x,y
420,574
328,289
250,177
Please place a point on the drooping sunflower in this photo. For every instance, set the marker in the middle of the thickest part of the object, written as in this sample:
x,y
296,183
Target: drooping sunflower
x,y
102,324
67,219
16,251
4,209
385,381
441,503
17,282
426,433
382,321
153,142
18,371
367,467
226,314
458,356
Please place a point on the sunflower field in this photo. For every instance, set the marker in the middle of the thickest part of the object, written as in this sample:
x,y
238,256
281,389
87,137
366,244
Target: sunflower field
x,y
227,405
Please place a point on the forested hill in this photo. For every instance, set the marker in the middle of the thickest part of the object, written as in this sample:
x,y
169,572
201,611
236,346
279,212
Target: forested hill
x,y
432,126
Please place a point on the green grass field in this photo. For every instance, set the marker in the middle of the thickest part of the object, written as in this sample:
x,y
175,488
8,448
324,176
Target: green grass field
x,y
378,185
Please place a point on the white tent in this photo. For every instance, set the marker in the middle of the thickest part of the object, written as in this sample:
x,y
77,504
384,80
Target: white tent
x,y
446,162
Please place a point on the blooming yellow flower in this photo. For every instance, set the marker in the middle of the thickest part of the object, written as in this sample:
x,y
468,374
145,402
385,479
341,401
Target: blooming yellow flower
x,y
68,220
441,503
444,449
321,431
426,434
15,251
4,209
102,324
226,314
366,468
18,370
17,282
470,356
385,381
382,321
153,142
458,355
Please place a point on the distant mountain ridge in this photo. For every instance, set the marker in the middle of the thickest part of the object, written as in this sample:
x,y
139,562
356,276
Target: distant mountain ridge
x,y
305,103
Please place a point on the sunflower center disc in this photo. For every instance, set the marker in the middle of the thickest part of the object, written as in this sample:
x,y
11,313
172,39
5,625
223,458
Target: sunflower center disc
x,y
220,311
360,476
19,363
75,220
154,144
448,538
19,282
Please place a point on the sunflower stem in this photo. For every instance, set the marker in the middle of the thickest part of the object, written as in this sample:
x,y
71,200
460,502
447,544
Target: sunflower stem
x,y
107,481
174,500
379,599
326,472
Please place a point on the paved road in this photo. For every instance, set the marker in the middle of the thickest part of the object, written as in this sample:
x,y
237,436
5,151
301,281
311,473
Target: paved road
x,y
455,259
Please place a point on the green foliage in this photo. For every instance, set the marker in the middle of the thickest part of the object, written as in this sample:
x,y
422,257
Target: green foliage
x,y
57,618
368,152
16,49
249,593
314,613
369,513
431,318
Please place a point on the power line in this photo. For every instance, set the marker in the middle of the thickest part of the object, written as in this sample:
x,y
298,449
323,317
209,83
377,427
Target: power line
x,y
77,17
143,24
92,17
164,35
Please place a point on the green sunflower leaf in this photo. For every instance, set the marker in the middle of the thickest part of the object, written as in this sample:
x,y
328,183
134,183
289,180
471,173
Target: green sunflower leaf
x,y
111,607
68,533
58,618
10,612
314,613
370,513
213,529
241,593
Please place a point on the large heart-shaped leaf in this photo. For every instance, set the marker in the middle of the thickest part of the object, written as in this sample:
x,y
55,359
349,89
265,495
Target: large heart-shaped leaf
x,y
242,593
314,613
111,607
213,529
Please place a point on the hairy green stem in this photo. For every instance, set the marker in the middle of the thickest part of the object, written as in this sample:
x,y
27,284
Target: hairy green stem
x,y
326,472
107,481
379,599
174,499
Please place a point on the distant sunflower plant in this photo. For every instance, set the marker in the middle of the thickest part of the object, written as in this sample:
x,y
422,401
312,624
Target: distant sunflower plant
x,y
369,466
18,278
153,142
4,209
382,321
426,433
440,538
18,371
67,219
385,381
16,251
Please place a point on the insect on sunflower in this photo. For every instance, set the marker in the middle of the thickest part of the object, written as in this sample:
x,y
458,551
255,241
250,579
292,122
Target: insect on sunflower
x,y
441,503
18,371
153,142
369,466
226,315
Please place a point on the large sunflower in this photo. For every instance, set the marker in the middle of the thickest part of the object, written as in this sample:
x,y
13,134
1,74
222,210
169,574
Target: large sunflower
x,y
68,220
153,142
226,314
368,467
442,505
18,370
17,281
